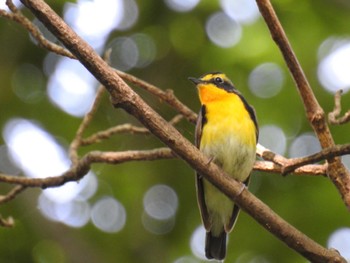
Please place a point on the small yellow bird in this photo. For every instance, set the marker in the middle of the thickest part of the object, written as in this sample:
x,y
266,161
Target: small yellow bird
x,y
227,132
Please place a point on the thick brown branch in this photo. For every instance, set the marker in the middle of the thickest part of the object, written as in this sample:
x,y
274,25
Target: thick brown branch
x,y
334,116
337,172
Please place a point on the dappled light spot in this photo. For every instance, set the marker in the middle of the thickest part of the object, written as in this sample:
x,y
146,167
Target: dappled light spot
x,y
222,30
130,15
157,226
71,87
28,83
108,215
197,242
304,145
160,202
266,80
7,165
333,69
273,138
79,214
73,213
17,3
242,11
81,191
125,54
33,149
180,5
346,160
138,50
146,49
83,16
38,155
340,240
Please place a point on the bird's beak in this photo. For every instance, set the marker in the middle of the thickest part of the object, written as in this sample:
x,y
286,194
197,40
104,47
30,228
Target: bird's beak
x,y
195,80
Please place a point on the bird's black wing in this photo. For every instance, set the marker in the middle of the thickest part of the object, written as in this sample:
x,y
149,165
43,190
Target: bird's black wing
x,y
201,120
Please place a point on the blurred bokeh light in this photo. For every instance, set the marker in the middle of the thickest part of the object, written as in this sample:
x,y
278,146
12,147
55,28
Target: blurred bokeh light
x,y
222,30
333,70
273,138
108,215
340,240
303,145
266,80
197,242
160,204
28,83
180,5
71,87
242,11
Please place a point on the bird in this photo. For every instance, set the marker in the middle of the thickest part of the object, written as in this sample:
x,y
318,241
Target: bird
x,y
227,133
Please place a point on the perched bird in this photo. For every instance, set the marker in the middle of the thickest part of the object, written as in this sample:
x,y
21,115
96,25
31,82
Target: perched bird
x,y
227,132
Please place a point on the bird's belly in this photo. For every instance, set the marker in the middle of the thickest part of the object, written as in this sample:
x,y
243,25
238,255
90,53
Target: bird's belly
x,y
234,155
237,158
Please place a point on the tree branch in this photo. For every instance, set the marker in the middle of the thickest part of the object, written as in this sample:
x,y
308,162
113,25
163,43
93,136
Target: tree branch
x,y
12,194
82,167
8,222
19,18
333,117
337,172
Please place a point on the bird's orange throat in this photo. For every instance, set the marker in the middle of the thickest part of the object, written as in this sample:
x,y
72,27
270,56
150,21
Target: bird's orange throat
x,y
210,93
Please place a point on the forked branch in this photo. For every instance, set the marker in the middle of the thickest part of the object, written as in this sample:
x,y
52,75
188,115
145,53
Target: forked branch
x,y
334,116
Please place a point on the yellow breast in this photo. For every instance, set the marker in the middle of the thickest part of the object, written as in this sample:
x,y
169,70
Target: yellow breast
x,y
226,116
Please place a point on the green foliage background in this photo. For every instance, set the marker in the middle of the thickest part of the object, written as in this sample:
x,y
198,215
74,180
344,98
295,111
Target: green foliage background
x,y
312,204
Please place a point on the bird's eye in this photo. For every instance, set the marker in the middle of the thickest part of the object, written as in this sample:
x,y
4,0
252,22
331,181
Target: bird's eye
x,y
219,80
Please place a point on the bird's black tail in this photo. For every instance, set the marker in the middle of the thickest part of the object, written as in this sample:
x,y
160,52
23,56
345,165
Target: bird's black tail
x,y
215,247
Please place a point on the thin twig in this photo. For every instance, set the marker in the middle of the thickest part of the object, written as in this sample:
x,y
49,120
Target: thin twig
x,y
83,165
106,134
120,129
269,155
6,222
334,116
324,154
12,194
78,141
309,170
18,17
167,96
